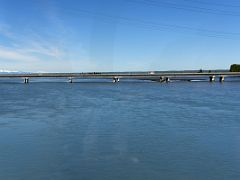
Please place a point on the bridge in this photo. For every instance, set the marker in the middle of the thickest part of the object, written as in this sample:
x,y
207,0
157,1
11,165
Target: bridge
x,y
116,77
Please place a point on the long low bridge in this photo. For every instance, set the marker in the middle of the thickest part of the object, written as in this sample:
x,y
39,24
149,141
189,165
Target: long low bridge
x,y
159,76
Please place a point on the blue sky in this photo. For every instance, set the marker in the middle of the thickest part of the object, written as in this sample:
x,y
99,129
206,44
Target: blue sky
x,y
118,35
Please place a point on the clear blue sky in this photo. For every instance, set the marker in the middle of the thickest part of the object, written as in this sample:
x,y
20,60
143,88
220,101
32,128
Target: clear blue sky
x,y
118,35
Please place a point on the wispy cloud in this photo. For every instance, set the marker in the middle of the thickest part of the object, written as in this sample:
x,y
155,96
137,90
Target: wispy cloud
x,y
45,49
16,55
5,31
24,48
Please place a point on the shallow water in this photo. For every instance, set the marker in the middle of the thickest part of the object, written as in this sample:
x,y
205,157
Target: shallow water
x,y
129,130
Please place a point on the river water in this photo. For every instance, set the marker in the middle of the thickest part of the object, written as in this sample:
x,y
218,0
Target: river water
x,y
123,131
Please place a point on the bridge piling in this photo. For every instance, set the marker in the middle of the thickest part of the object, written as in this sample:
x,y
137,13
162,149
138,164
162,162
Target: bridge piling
x,y
116,80
221,79
70,80
164,79
167,79
26,80
212,78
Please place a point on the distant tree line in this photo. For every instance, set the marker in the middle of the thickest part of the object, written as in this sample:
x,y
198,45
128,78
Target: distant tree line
x,y
235,68
201,71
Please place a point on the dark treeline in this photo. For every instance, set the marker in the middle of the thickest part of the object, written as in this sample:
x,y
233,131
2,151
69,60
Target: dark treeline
x,y
235,68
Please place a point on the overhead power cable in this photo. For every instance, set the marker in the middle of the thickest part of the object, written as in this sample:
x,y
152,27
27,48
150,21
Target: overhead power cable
x,y
196,9
213,3
154,25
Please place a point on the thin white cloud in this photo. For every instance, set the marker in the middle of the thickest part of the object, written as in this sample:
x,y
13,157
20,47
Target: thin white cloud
x,y
5,31
9,54
29,44
42,51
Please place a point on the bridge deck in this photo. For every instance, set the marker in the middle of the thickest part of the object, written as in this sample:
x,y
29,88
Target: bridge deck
x,y
118,75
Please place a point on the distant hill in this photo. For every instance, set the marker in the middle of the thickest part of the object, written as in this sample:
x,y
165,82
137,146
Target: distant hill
x,y
3,71
7,71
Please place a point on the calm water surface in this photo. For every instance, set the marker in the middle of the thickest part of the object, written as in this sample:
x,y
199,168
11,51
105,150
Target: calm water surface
x,y
125,131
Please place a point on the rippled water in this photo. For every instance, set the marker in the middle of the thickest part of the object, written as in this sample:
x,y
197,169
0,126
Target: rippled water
x,y
124,131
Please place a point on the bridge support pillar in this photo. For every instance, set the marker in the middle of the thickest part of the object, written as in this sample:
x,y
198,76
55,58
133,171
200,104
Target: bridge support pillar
x,y
221,79
164,79
70,80
116,80
167,79
212,78
26,80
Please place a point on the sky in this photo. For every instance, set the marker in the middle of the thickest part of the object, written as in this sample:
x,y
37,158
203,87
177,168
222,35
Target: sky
x,y
118,35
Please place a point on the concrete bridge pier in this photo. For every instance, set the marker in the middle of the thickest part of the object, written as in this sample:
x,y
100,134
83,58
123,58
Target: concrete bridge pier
x,y
70,80
116,80
212,78
164,79
26,80
167,79
221,79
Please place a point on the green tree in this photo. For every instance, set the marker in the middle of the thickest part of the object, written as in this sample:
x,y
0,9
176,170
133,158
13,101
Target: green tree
x,y
235,68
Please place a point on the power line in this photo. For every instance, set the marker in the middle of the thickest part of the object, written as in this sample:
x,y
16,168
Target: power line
x,y
186,7
213,3
155,24
150,24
